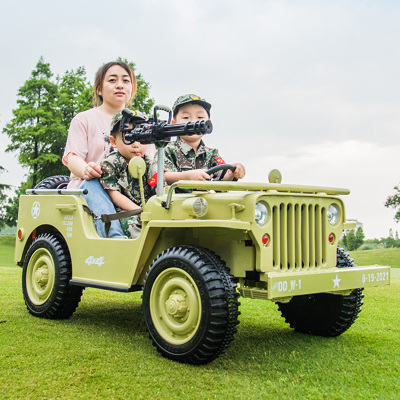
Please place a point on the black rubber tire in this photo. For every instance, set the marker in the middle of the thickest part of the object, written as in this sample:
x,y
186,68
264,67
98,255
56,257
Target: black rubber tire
x,y
324,314
45,279
54,182
207,325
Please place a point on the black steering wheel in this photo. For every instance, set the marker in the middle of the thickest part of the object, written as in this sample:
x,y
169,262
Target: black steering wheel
x,y
223,168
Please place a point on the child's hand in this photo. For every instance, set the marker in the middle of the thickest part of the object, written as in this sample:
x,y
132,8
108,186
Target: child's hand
x,y
198,175
240,171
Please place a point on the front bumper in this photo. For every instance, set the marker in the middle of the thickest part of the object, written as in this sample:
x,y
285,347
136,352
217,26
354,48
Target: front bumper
x,y
282,286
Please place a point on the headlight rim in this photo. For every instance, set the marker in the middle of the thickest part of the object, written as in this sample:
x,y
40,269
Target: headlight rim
x,y
265,213
333,216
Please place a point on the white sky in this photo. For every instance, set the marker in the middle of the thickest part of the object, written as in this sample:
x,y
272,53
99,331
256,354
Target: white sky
x,y
308,87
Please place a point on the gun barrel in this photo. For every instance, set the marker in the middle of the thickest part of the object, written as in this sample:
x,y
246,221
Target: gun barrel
x,y
153,132
189,128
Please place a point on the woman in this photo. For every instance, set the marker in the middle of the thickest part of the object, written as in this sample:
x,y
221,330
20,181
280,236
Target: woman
x,y
88,138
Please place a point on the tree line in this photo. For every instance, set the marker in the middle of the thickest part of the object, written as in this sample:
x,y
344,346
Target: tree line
x,y
39,127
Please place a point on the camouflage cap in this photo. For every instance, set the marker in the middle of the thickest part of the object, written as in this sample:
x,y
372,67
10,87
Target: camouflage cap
x,y
137,117
190,98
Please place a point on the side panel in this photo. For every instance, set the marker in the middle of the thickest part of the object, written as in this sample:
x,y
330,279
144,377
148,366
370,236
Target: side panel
x,y
94,259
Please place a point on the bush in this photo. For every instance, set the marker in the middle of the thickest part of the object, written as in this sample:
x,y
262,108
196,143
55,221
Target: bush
x,y
8,231
7,240
369,246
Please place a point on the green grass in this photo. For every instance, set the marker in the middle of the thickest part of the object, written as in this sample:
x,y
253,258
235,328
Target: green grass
x,y
7,244
103,352
389,257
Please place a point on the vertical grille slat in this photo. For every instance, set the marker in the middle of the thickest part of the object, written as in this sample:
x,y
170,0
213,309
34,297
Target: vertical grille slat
x,y
299,230
311,225
305,235
276,233
291,237
284,230
318,235
298,249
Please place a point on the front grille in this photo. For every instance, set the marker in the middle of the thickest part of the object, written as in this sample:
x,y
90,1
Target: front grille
x,y
298,232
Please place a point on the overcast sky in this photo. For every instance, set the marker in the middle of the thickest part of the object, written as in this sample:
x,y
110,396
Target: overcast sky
x,y
308,87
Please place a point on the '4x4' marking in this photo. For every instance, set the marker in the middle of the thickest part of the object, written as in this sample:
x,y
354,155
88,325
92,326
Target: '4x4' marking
x,y
97,261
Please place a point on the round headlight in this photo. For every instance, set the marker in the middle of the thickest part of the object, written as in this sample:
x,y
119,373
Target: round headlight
x,y
195,206
261,213
333,214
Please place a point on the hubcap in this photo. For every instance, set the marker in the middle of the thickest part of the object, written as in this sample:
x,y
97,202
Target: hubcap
x,y
175,306
40,275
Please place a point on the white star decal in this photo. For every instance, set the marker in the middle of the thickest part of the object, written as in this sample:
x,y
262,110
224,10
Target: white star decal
x,y
35,210
336,281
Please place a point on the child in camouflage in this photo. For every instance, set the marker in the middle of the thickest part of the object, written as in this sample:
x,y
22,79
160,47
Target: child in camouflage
x,y
123,189
187,157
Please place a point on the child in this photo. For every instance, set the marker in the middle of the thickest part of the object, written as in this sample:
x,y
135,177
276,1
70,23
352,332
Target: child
x,y
123,189
188,158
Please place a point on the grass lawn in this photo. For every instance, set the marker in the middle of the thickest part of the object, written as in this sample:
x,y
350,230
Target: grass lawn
x,y
389,257
103,352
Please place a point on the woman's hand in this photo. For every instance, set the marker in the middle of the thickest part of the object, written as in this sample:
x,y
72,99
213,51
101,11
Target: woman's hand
x,y
91,171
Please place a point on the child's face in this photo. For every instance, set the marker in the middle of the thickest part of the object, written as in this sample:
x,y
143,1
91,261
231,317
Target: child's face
x,y
191,113
128,151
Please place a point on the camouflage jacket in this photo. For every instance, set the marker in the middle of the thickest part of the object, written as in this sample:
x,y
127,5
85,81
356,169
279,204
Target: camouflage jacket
x,y
180,156
115,176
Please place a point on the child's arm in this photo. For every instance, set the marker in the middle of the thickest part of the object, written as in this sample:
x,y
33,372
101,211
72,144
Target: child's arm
x,y
191,175
121,200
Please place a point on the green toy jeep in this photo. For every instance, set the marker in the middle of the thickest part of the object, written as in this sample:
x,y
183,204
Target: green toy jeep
x,y
197,252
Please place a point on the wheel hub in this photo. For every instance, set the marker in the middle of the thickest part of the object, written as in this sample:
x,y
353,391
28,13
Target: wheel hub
x,y
176,305
41,276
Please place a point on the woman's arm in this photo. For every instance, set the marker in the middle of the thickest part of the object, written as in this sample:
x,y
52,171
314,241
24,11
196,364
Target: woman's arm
x,y
81,169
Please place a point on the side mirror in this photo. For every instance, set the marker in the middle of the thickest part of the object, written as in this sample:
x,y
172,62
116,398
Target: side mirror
x,y
137,167
275,176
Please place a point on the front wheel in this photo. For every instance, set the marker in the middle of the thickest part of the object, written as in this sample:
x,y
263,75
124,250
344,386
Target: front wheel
x,y
45,279
190,305
324,314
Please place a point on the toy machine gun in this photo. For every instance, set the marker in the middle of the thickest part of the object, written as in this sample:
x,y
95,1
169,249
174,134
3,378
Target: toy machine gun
x,y
158,132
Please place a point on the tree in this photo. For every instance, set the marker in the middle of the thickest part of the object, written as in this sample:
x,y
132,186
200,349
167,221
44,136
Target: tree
x,y
36,131
75,94
3,198
343,241
394,202
359,237
351,241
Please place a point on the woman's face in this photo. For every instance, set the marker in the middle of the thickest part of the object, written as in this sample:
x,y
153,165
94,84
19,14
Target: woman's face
x,y
116,89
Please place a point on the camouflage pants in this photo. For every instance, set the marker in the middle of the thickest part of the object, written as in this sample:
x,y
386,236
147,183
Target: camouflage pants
x,y
131,226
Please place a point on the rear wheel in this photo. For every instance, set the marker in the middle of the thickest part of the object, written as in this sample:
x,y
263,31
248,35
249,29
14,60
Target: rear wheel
x,y
324,314
45,279
54,182
190,305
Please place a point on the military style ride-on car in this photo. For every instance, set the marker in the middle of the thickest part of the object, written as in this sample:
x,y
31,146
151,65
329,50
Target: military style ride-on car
x,y
198,251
